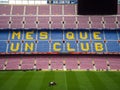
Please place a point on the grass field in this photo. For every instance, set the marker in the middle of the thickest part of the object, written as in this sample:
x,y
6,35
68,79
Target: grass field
x,y
66,80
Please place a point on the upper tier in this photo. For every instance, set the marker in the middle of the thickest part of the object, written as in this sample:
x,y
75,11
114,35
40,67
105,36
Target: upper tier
x,y
53,16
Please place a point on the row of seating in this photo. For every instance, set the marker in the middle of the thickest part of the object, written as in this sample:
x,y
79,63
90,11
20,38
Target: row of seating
x,y
60,35
60,22
52,16
40,9
60,63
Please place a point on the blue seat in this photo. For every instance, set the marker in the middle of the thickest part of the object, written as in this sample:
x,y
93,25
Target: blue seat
x,y
111,35
42,46
113,46
15,48
3,46
101,48
30,44
86,48
4,35
72,45
58,46
57,35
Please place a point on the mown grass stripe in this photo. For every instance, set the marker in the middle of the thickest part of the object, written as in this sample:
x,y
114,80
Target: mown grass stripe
x,y
36,81
108,82
49,76
10,84
4,77
95,81
75,80
83,80
115,77
72,81
23,81
60,81
66,80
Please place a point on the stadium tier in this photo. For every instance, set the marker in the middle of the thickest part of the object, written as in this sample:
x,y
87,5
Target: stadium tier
x,y
59,62
60,41
52,17
57,29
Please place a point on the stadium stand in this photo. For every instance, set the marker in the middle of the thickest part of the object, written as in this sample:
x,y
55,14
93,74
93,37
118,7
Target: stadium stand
x,y
27,63
71,62
56,10
56,63
18,10
100,63
83,22
30,21
12,63
5,9
2,62
86,63
96,22
31,10
4,21
42,62
60,62
56,22
37,17
114,63
15,20
56,17
118,22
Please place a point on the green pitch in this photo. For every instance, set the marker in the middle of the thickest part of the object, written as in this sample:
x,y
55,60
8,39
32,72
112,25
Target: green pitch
x,y
66,80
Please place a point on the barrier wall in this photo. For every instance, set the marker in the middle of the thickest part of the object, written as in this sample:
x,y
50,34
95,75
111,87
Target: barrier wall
x,y
60,41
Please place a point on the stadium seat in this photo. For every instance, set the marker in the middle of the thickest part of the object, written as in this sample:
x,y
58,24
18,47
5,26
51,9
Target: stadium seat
x,y
5,35
114,62
31,10
30,22
44,10
86,63
113,46
71,62
27,62
43,46
56,63
118,19
69,22
96,22
5,9
56,9
2,62
111,35
43,22
110,22
4,21
18,10
69,9
83,22
17,22
42,62
100,63
56,22
12,63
